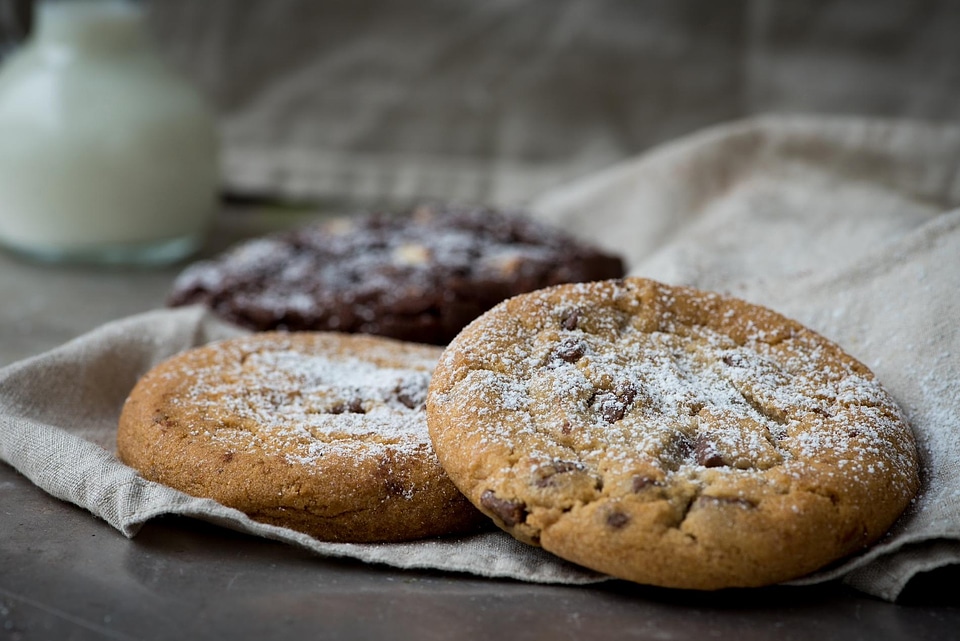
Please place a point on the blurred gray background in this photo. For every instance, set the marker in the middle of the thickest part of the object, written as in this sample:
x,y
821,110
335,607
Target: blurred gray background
x,y
498,100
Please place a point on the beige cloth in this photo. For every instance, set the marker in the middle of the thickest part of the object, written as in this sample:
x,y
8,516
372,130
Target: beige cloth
x,y
843,224
500,100
58,428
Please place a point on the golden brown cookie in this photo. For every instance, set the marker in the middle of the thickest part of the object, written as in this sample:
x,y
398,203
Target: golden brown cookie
x,y
669,436
320,432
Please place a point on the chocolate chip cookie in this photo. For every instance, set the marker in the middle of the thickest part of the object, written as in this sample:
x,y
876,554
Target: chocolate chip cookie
x,y
418,276
319,432
669,436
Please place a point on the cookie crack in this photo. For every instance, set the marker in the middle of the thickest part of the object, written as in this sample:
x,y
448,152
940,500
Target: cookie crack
x,y
701,499
686,508
768,412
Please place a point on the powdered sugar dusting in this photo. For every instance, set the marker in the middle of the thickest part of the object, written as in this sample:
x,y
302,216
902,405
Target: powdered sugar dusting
x,y
620,389
303,404
418,276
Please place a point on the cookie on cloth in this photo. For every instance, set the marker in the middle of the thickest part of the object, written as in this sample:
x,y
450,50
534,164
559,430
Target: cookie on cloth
x,y
669,436
419,276
319,432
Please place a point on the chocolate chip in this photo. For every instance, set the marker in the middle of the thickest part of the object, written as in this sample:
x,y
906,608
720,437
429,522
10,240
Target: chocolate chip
x,y
706,453
547,472
571,350
676,452
410,400
613,405
353,406
617,519
567,427
611,409
734,360
510,512
626,392
570,319
641,482
410,394
388,478
407,400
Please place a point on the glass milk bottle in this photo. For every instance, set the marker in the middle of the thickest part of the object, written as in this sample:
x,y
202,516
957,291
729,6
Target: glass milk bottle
x,y
106,156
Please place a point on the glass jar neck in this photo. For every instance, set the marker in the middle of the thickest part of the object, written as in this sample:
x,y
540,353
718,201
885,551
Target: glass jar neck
x,y
90,25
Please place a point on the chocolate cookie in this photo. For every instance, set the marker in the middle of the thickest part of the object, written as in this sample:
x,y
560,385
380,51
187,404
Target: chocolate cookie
x,y
319,432
669,436
420,276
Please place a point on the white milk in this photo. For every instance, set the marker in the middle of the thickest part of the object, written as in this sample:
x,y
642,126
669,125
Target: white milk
x,y
105,155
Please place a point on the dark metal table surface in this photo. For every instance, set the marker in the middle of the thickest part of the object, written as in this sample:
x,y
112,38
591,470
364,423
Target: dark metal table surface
x,y
64,574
